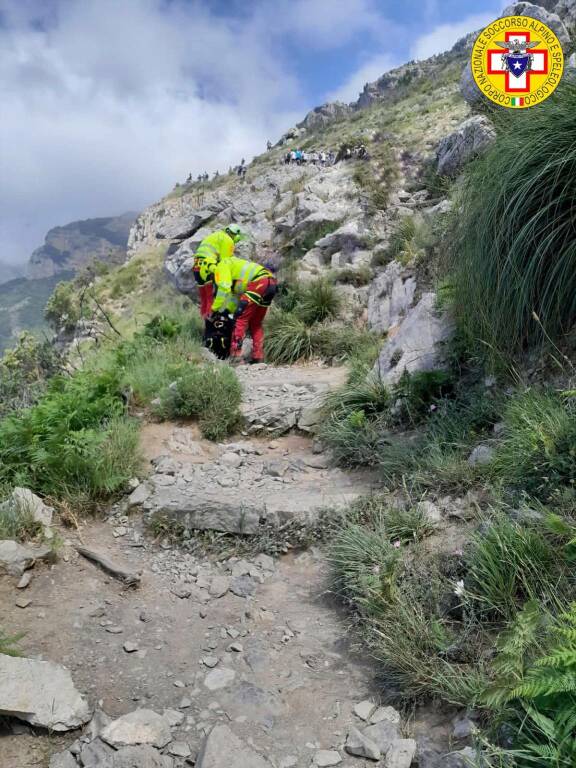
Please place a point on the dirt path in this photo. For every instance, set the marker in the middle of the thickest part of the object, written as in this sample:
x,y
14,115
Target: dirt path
x,y
258,644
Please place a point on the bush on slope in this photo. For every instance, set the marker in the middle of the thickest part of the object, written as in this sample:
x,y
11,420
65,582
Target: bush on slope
x,y
514,252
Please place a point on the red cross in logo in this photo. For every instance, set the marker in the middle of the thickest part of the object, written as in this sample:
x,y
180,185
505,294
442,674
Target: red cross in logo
x,y
517,84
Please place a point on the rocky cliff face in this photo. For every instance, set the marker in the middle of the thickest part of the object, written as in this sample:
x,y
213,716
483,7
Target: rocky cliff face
x,y
74,245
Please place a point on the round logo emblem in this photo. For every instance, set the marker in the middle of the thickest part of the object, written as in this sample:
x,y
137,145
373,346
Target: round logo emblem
x,y
517,61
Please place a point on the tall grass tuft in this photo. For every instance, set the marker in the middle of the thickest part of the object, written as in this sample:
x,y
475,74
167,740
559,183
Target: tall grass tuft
x,y
319,301
288,338
210,393
538,451
514,252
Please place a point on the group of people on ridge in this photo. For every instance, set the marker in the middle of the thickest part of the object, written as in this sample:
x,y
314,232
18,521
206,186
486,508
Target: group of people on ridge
x,y
346,152
234,288
299,157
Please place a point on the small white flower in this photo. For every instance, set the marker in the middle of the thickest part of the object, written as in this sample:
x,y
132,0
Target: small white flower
x,y
459,589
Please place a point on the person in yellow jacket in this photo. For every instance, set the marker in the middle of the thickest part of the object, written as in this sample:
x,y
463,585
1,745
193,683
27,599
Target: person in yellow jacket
x,y
213,248
245,289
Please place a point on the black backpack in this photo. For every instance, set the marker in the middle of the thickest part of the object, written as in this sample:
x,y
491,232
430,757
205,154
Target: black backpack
x,y
218,336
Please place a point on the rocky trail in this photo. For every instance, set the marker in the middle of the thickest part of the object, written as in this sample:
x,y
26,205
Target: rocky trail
x,y
236,661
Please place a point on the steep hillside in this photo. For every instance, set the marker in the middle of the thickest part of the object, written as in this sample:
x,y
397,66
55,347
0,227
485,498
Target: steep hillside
x,y
74,245
415,421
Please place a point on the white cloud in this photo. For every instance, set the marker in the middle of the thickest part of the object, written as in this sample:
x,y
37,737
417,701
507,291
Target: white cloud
x,y
369,71
327,23
103,111
443,37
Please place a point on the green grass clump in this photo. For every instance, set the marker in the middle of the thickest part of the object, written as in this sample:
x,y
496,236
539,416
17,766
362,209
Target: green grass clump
x,y
9,643
209,393
288,338
514,254
75,440
15,522
355,440
538,452
364,562
511,563
319,301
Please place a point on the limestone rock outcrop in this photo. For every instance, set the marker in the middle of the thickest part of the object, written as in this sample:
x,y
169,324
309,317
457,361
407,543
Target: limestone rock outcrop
x,y
470,139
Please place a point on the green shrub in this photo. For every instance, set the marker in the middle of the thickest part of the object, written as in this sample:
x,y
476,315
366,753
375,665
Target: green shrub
x,y
62,309
24,372
533,689
319,301
416,395
74,440
538,451
162,327
356,276
513,250
147,366
209,393
510,564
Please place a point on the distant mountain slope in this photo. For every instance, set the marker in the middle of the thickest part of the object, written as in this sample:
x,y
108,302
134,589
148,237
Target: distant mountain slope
x,y
76,244
22,303
9,272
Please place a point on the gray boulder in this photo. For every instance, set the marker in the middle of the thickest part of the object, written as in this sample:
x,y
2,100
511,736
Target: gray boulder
x,y
345,239
481,456
223,749
383,734
41,693
206,510
470,139
566,9
185,226
418,344
390,296
536,11
27,503
95,752
63,760
465,758
136,757
325,114
401,753
15,558
143,726
361,746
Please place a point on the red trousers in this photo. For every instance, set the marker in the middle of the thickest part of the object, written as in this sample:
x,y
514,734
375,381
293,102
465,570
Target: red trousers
x,y
206,296
251,320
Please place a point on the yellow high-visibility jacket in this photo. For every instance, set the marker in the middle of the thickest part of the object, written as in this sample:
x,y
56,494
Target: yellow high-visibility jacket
x,y
231,276
212,249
